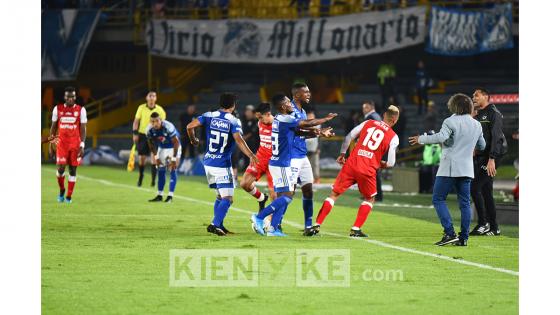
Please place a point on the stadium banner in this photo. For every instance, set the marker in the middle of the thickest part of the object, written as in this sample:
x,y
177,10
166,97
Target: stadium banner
x,y
287,41
65,36
461,33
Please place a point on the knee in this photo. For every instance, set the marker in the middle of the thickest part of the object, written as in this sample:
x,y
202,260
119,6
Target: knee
x,y
245,184
60,170
438,199
307,191
72,170
229,198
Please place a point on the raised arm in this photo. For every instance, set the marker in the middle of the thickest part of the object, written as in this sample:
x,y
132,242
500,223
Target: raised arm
x,y
439,137
314,122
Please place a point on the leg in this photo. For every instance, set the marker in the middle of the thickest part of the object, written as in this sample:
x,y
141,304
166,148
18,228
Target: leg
x,y
154,172
248,184
162,170
326,207
71,181
60,179
343,181
488,195
363,213
141,165
306,177
476,194
462,185
441,190
378,179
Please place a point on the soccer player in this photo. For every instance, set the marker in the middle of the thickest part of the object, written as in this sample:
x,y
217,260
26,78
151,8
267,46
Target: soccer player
x,y
69,120
375,139
303,172
139,127
280,166
167,155
223,131
255,171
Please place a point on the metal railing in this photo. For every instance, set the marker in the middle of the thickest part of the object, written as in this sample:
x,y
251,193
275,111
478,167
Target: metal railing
x,y
116,100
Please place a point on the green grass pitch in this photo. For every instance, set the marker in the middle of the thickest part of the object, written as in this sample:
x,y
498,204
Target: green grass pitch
x,y
109,253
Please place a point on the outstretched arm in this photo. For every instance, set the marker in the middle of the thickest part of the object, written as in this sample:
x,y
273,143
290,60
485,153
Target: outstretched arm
x,y
242,145
314,122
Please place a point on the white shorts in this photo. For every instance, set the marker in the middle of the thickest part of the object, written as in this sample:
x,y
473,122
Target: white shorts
x,y
220,178
303,173
165,155
282,178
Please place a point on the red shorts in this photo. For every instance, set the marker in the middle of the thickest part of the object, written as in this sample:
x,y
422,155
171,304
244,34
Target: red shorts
x,y
68,154
348,176
260,169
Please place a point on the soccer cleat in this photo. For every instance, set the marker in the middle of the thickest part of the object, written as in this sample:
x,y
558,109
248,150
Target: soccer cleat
x,y
258,224
140,179
480,230
60,197
357,233
262,204
461,242
157,198
276,233
309,231
169,199
495,232
68,200
226,230
316,228
215,230
447,239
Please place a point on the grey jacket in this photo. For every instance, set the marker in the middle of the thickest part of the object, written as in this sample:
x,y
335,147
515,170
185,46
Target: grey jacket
x,y
459,135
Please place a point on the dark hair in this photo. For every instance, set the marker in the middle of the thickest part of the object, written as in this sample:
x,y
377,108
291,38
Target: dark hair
x,y
460,104
370,103
151,91
483,91
228,100
277,100
296,86
263,108
69,89
154,115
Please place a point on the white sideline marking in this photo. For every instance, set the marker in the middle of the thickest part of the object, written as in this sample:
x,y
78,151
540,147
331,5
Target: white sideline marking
x,y
293,224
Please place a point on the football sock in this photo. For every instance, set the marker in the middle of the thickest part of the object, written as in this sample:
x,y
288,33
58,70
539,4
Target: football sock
x,y
60,179
71,184
363,212
154,173
161,180
221,212
278,204
216,204
308,211
277,217
172,182
257,194
325,209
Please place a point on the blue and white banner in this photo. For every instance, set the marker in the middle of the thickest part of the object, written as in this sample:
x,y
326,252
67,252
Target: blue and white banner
x,y
287,41
460,33
65,35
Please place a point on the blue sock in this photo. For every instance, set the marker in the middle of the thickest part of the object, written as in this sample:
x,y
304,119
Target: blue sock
x,y
216,204
172,182
308,211
274,206
277,217
221,210
161,179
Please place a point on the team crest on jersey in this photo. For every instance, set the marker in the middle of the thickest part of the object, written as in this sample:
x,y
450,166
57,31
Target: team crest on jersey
x,y
220,124
76,114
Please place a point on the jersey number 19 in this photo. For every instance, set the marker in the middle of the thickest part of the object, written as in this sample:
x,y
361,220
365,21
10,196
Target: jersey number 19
x,y
373,138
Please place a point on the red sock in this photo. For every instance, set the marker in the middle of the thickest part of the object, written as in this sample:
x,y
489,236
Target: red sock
x,y
363,212
257,194
71,183
325,209
60,180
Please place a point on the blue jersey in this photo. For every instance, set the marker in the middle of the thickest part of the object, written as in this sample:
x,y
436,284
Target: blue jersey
x,y
300,149
283,134
162,136
220,127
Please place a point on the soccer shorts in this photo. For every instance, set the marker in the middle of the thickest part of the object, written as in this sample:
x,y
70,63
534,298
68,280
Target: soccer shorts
x,y
67,154
282,178
220,178
260,169
302,170
348,176
165,154
142,145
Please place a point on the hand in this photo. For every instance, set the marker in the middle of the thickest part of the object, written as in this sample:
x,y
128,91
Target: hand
x,y
173,165
153,159
331,116
326,132
195,142
383,164
341,159
53,139
158,162
413,140
81,153
135,138
254,160
491,168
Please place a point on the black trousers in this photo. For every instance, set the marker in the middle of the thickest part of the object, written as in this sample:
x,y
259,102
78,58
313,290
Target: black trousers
x,y
482,193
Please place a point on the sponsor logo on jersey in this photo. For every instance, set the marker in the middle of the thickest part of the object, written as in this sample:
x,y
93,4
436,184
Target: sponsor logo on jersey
x,y
365,153
220,124
67,120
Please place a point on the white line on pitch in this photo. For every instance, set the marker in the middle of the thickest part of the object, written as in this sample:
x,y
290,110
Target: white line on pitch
x,y
296,225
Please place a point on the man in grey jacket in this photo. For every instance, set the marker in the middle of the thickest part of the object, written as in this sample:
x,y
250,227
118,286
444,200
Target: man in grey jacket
x,y
460,134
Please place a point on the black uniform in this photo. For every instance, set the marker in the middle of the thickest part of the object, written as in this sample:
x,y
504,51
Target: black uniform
x,y
496,146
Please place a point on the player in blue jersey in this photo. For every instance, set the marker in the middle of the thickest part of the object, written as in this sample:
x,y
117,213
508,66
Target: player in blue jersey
x,y
284,130
301,166
223,131
162,133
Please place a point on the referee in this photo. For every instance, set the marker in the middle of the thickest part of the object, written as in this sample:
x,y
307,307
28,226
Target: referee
x,y
141,122
486,162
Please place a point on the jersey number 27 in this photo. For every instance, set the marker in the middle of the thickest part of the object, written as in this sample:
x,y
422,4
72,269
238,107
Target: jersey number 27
x,y
215,137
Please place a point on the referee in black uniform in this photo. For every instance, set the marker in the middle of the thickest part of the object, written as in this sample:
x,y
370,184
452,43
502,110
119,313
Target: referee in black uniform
x,y
486,162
